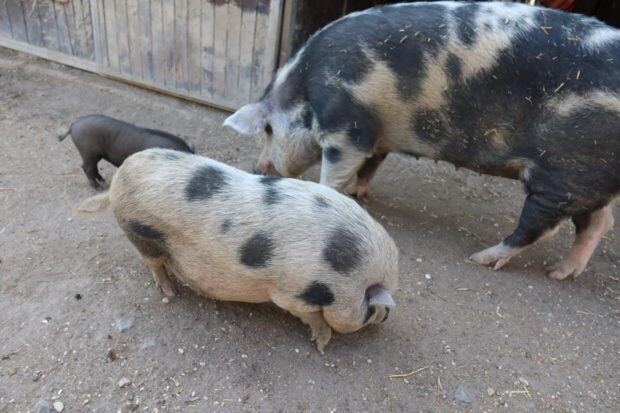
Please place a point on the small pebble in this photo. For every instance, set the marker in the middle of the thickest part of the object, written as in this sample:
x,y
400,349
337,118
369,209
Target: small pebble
x,y
523,381
42,406
59,406
165,300
123,382
123,324
418,259
427,276
111,356
181,351
462,394
11,371
36,376
78,296
490,391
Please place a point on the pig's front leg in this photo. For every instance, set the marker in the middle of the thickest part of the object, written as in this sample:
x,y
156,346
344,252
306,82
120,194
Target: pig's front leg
x,y
367,172
321,331
340,166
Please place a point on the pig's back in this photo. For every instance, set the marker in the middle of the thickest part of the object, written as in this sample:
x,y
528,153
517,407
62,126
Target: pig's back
x,y
225,227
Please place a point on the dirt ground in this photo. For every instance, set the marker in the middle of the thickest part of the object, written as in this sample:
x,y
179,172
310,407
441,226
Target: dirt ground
x,y
475,340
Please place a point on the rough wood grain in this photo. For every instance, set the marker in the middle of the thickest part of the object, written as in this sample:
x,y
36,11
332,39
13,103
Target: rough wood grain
x,y
193,47
109,7
134,35
122,37
47,16
246,52
62,24
5,22
169,59
32,21
144,16
219,49
180,44
207,49
158,43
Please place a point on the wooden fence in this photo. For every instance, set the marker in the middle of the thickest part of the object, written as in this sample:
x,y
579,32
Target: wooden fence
x,y
221,52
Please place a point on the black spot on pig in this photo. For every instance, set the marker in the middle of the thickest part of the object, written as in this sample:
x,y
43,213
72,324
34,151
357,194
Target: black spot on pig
x,y
317,293
273,194
465,17
369,313
453,68
307,117
257,250
340,112
148,240
343,252
332,154
320,202
226,225
146,231
205,183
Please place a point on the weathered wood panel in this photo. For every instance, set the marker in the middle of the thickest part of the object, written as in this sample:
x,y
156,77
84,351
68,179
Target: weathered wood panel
x,y
223,52
18,22
5,21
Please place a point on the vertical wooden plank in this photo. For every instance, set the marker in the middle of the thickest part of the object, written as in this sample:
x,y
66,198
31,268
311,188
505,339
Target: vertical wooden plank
x,y
88,23
207,51
100,43
110,34
180,44
71,27
62,25
193,47
18,23
248,28
268,16
144,13
5,22
33,23
169,55
219,49
122,37
233,28
159,47
48,23
134,32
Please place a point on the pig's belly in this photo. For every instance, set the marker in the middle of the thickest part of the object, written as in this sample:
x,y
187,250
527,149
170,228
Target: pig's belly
x,y
223,284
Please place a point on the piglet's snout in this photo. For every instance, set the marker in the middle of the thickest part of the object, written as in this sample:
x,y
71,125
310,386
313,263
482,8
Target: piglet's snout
x,y
264,167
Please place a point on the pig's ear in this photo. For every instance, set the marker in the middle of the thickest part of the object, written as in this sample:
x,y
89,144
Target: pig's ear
x,y
248,120
381,296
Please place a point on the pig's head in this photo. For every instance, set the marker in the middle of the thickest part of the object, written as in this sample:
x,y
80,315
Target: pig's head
x,y
289,144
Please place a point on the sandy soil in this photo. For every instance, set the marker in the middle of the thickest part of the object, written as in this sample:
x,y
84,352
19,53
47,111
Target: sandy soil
x,y
477,340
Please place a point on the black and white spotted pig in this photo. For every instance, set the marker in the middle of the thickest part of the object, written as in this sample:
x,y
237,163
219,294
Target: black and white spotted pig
x,y
235,236
501,88
100,137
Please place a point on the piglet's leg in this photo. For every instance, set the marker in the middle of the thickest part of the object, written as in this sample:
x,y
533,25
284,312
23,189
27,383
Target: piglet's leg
x,y
590,229
321,331
367,172
161,277
539,219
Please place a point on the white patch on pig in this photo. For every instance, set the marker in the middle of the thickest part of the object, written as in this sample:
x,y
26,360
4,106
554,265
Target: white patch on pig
x,y
601,37
506,22
567,105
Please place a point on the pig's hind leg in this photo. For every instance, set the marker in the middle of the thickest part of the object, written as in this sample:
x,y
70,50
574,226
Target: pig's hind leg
x,y
590,229
540,218
91,171
160,275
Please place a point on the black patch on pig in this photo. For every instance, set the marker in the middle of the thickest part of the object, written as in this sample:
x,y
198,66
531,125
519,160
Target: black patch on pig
x,y
332,154
307,117
320,202
206,182
148,240
453,68
317,293
339,111
343,252
466,23
272,192
257,250
369,313
226,225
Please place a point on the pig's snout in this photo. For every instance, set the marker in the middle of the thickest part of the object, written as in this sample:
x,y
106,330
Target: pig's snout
x,y
264,167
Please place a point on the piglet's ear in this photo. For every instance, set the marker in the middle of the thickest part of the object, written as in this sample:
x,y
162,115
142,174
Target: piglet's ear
x,y
380,296
248,120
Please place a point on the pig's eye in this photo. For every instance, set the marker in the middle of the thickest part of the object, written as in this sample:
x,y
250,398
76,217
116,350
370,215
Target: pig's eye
x,y
268,130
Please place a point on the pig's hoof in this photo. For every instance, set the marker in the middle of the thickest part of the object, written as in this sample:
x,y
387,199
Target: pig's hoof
x,y
321,337
565,268
495,257
168,289
362,191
